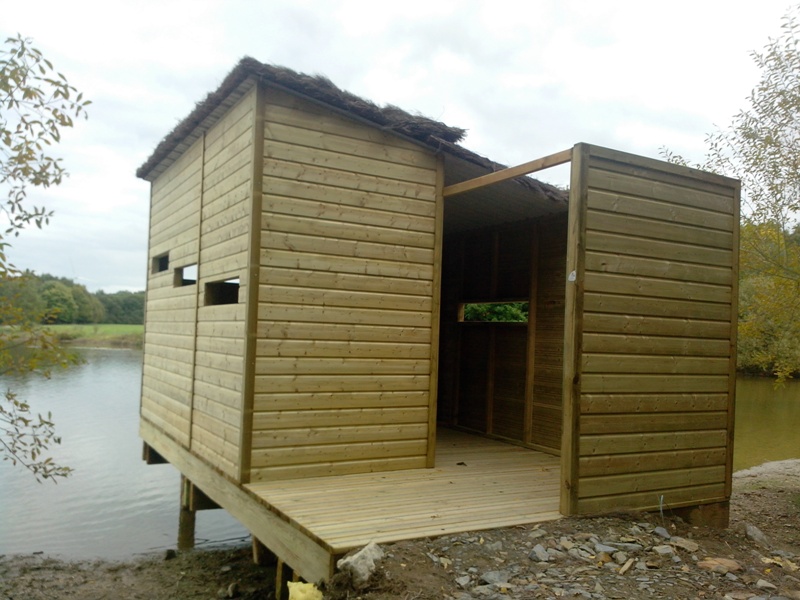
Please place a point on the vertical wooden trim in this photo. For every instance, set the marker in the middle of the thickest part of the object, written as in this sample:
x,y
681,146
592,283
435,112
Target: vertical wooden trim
x,y
198,285
734,336
436,309
253,263
146,295
530,352
490,369
573,322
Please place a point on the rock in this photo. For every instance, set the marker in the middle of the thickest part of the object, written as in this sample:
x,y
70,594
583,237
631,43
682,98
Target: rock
x,y
603,557
763,584
627,546
755,534
663,550
494,546
496,577
170,554
226,569
539,553
464,581
660,531
537,533
719,565
688,545
793,594
620,558
598,548
361,564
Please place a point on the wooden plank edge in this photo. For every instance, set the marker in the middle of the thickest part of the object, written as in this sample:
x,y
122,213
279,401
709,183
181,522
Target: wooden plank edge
x,y
310,557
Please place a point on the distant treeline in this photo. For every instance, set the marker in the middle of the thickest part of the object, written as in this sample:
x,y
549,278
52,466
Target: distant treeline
x,y
49,299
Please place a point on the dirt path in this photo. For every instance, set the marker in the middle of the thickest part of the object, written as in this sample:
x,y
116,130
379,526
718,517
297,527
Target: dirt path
x,y
628,556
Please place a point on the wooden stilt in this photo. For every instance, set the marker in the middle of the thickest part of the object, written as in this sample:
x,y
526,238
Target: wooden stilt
x,y
262,555
282,574
186,518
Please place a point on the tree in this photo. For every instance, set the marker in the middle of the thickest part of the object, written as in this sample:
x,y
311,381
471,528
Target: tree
x,y
761,147
36,104
60,304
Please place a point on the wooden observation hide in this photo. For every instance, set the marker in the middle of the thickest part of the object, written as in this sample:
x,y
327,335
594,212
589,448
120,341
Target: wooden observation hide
x,y
310,259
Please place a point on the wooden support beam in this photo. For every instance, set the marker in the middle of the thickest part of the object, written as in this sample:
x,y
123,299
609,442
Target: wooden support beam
x,y
151,457
559,158
186,519
262,555
199,501
283,573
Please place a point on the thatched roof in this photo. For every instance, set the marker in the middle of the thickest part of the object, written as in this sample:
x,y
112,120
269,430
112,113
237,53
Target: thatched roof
x,y
435,134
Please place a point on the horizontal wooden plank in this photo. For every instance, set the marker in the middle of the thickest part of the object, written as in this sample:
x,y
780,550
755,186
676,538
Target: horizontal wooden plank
x,y
650,403
333,314
648,344
323,297
662,211
649,228
592,383
339,247
656,307
286,178
346,281
330,417
343,331
338,435
334,210
360,232
344,264
341,366
652,422
655,499
628,443
343,383
335,452
283,151
291,110
333,402
661,268
344,349
335,469
651,189
690,327
631,483
650,248
637,363
637,285
619,464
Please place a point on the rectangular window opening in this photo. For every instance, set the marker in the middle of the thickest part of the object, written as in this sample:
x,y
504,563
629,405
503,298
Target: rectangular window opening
x,y
185,276
222,292
494,312
159,263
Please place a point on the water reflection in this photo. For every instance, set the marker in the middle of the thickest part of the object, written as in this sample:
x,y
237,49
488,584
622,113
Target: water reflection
x,y
114,505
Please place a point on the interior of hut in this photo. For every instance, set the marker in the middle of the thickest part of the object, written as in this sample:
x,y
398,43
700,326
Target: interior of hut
x,y
503,243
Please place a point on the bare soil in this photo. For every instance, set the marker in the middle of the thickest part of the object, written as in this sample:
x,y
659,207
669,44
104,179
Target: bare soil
x,y
561,559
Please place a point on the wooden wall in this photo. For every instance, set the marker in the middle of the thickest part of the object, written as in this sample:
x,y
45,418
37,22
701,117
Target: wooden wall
x,y
170,317
348,300
194,354
651,334
224,250
546,410
504,379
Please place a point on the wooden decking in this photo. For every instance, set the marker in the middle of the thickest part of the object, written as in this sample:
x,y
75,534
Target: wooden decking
x,y
477,484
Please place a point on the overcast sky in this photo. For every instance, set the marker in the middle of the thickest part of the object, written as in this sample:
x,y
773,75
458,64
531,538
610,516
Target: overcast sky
x,y
525,79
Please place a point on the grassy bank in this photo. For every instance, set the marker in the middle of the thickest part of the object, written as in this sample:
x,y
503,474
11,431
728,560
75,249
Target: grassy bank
x,y
104,335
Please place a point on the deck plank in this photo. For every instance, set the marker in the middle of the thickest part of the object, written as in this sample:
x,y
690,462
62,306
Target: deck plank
x,y
477,484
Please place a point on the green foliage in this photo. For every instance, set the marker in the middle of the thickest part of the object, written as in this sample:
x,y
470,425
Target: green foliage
x,y
761,147
123,307
506,312
61,306
36,105
89,308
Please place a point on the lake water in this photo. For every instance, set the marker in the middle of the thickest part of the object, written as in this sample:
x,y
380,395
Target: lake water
x,y
115,506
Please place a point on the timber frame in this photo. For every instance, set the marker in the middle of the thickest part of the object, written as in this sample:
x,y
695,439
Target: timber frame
x,y
320,338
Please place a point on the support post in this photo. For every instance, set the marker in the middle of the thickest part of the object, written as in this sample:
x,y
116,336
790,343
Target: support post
x,y
262,555
186,518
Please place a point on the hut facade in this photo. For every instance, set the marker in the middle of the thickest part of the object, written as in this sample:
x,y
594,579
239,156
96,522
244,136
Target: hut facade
x,y
311,258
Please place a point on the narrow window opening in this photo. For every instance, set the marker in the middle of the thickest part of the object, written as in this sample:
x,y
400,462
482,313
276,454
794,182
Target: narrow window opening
x,y
494,312
160,263
185,275
222,292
